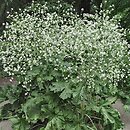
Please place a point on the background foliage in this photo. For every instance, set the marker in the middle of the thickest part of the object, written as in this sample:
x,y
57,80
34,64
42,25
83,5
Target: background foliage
x,y
120,8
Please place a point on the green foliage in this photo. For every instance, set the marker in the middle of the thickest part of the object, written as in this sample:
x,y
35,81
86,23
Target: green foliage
x,y
67,69
118,8
121,8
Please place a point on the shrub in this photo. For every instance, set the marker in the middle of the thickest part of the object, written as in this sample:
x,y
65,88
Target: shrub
x,y
67,70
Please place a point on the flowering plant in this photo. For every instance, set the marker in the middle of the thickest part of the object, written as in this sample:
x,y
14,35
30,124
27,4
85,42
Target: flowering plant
x,y
67,69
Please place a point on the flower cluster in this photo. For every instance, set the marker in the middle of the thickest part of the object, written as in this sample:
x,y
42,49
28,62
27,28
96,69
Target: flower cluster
x,y
83,50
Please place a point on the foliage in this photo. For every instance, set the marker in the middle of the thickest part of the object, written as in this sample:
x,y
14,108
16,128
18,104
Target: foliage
x,y
6,7
121,10
67,69
9,6
118,8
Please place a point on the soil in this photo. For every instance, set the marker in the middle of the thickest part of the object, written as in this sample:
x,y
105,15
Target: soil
x,y
7,81
125,116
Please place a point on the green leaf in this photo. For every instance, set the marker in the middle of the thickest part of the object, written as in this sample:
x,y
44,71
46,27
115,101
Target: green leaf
x,y
49,78
32,108
55,124
42,128
3,93
58,86
107,116
109,101
66,94
19,124
35,71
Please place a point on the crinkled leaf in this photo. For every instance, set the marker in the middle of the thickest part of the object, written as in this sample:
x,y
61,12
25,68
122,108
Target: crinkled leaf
x,y
66,94
58,86
55,123
107,116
